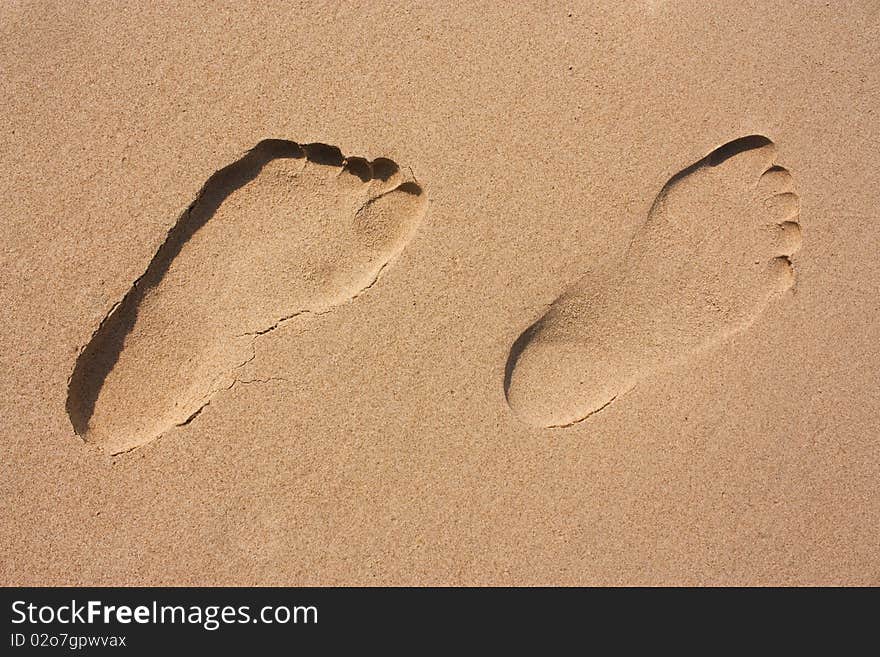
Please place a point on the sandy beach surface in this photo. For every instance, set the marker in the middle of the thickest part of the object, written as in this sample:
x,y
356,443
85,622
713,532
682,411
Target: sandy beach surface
x,y
440,293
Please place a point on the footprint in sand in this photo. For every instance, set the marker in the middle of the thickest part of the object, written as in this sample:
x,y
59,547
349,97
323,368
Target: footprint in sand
x,y
713,252
285,230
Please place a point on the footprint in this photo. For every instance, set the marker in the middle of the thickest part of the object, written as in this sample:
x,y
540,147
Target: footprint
x,y
714,250
285,230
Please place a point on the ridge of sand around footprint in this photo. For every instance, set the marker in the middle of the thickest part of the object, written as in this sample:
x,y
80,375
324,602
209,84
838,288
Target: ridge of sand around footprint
x,y
713,251
287,229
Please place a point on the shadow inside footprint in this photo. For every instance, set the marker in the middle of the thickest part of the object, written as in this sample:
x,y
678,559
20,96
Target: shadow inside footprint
x,y
101,353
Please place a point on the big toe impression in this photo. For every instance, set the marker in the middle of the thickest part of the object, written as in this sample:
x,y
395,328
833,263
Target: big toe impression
x,y
744,159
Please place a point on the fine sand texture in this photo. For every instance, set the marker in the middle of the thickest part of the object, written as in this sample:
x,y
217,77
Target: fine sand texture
x,y
440,293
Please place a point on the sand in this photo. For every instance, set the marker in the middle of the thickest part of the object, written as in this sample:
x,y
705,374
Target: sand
x,y
428,293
